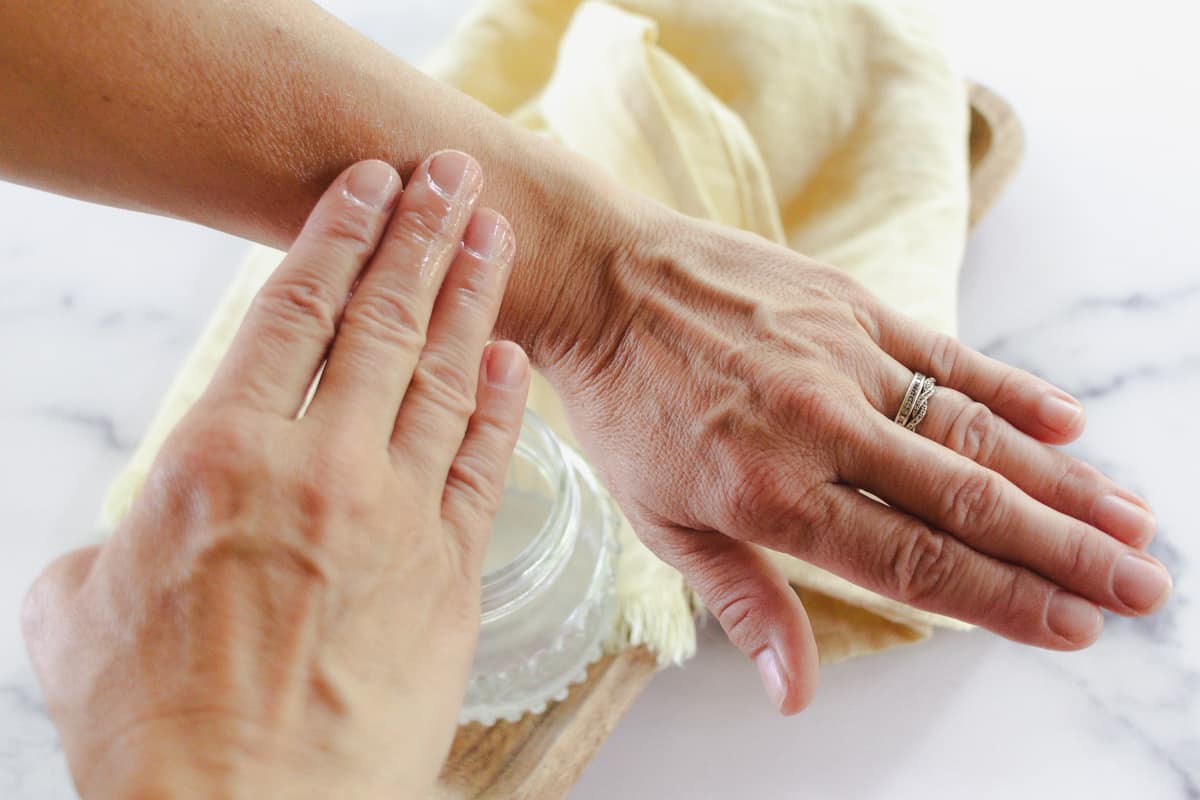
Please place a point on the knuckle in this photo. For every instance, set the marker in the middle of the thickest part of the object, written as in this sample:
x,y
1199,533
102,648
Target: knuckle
x,y
733,595
1012,387
919,567
832,283
477,297
390,315
974,502
37,607
353,227
850,438
944,359
300,301
1072,478
1077,555
449,385
862,307
205,467
736,609
767,499
975,432
835,331
320,506
421,223
816,405
816,514
806,399
478,482
755,498
51,606
1016,607
216,447
338,487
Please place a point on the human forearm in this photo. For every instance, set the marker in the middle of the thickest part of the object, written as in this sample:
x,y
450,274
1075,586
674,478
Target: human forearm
x,y
237,114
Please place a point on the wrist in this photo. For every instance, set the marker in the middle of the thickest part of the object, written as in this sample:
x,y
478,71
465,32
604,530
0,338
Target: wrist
x,y
576,232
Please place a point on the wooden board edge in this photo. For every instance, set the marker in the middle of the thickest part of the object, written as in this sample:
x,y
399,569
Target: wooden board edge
x,y
540,756
996,146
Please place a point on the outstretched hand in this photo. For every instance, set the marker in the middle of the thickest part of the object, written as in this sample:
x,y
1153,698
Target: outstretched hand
x,y
743,396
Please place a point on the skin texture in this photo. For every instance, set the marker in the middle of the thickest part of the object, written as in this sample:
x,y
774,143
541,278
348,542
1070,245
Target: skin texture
x,y
744,396
733,394
291,606
238,113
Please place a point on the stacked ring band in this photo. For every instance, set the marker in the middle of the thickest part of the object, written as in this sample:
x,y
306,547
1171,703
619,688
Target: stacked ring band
x,y
916,401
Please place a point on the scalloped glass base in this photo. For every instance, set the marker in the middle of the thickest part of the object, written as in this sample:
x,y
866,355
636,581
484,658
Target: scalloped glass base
x,y
538,639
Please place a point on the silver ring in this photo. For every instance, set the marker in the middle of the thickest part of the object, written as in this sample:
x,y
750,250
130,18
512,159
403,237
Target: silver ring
x,y
915,404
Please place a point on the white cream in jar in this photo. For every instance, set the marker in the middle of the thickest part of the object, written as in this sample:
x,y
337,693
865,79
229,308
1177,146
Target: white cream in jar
x,y
547,602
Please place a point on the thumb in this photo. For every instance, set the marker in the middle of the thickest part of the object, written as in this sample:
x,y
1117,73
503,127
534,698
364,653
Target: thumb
x,y
754,604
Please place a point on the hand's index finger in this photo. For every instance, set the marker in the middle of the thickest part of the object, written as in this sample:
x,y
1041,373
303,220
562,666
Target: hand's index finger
x,y
287,331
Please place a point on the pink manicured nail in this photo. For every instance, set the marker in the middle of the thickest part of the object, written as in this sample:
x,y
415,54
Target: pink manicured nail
x,y
488,237
1140,583
1117,516
1059,414
1073,618
506,365
770,670
450,172
372,183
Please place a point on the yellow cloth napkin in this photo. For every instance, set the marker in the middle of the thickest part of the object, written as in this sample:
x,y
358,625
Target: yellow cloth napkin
x,y
835,127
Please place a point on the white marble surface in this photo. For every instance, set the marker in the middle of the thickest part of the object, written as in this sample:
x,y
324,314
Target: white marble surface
x,y
1088,272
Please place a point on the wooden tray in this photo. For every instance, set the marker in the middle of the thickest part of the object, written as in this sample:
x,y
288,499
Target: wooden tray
x,y
541,756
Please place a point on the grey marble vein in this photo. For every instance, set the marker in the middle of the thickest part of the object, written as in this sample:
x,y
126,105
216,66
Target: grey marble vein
x,y
103,425
1077,310
1184,765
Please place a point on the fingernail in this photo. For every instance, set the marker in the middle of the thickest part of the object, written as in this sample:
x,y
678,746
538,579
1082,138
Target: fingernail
x,y
506,365
450,171
372,183
1073,618
770,670
1059,413
1140,583
488,236
1121,518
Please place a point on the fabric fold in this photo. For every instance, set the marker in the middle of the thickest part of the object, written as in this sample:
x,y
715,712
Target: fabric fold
x,y
834,127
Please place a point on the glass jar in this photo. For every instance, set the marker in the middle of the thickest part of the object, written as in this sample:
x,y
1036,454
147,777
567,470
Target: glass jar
x,y
548,581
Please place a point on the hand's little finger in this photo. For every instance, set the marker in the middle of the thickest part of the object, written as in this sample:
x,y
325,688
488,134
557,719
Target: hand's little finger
x,y
987,512
475,483
1048,475
890,552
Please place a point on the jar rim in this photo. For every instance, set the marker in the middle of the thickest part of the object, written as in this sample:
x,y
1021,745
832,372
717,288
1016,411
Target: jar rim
x,y
538,561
